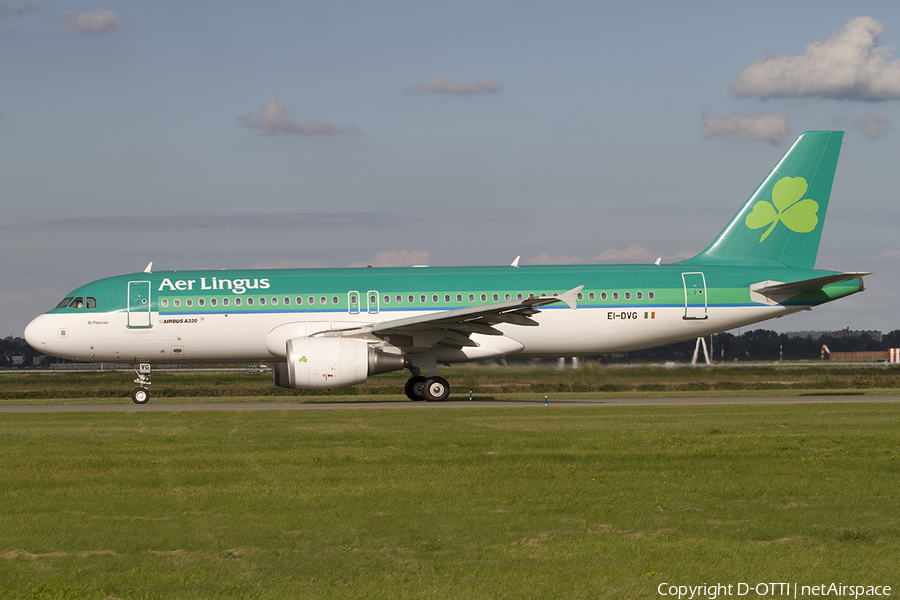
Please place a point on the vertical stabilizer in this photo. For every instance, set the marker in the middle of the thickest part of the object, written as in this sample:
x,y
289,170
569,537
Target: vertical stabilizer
x,y
781,223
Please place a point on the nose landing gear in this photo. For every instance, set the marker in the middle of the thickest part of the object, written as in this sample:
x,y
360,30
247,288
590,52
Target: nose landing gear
x,y
141,395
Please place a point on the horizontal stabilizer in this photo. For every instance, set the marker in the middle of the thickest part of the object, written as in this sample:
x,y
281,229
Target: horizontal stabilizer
x,y
775,292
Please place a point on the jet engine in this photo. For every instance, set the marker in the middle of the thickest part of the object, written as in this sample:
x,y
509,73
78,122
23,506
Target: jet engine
x,y
322,363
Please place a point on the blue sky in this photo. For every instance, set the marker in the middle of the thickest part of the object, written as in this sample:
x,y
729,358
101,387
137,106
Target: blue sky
x,y
236,135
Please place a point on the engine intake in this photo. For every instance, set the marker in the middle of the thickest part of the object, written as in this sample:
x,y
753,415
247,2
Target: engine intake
x,y
325,363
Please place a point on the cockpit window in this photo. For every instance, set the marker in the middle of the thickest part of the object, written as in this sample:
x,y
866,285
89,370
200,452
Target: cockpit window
x,y
79,302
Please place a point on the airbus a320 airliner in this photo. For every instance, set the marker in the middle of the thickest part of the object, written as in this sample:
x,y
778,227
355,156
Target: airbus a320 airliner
x,y
331,328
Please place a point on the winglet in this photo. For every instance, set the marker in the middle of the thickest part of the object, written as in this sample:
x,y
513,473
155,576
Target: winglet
x,y
571,297
149,266
515,263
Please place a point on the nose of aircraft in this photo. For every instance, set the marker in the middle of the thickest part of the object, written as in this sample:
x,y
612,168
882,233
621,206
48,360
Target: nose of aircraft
x,y
36,333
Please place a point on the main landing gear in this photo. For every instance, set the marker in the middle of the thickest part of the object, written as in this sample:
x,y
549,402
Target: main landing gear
x,y
141,395
433,389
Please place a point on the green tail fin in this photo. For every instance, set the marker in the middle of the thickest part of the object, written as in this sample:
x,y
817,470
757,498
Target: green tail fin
x,y
781,223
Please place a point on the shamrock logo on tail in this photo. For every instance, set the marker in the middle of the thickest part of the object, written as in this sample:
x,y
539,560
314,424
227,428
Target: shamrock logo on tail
x,y
786,206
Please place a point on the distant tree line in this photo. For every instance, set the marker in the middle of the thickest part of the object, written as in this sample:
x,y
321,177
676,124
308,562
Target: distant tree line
x,y
15,352
760,344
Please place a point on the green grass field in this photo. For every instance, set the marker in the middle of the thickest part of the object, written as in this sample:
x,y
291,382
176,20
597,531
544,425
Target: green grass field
x,y
541,502
484,382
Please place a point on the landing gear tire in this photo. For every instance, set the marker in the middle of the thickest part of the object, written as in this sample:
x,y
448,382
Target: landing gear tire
x,y
415,388
436,389
140,395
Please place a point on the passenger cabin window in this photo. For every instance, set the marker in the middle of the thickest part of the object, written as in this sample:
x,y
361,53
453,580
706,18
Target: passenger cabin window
x,y
628,295
591,296
237,301
471,297
189,302
165,303
639,295
176,302
651,295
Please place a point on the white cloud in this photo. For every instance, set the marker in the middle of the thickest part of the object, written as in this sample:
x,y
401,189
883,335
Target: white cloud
x,y
31,6
847,66
764,128
545,259
285,263
396,258
274,120
874,125
95,21
440,85
634,253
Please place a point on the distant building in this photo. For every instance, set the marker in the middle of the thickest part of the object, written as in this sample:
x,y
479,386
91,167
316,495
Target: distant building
x,y
891,356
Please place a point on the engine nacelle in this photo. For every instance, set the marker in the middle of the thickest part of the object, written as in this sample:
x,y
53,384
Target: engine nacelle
x,y
323,363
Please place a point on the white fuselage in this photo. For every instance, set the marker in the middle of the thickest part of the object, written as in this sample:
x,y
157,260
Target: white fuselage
x,y
105,337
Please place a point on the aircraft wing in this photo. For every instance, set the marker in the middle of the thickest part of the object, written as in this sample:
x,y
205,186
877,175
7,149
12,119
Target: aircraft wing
x,y
452,328
774,292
